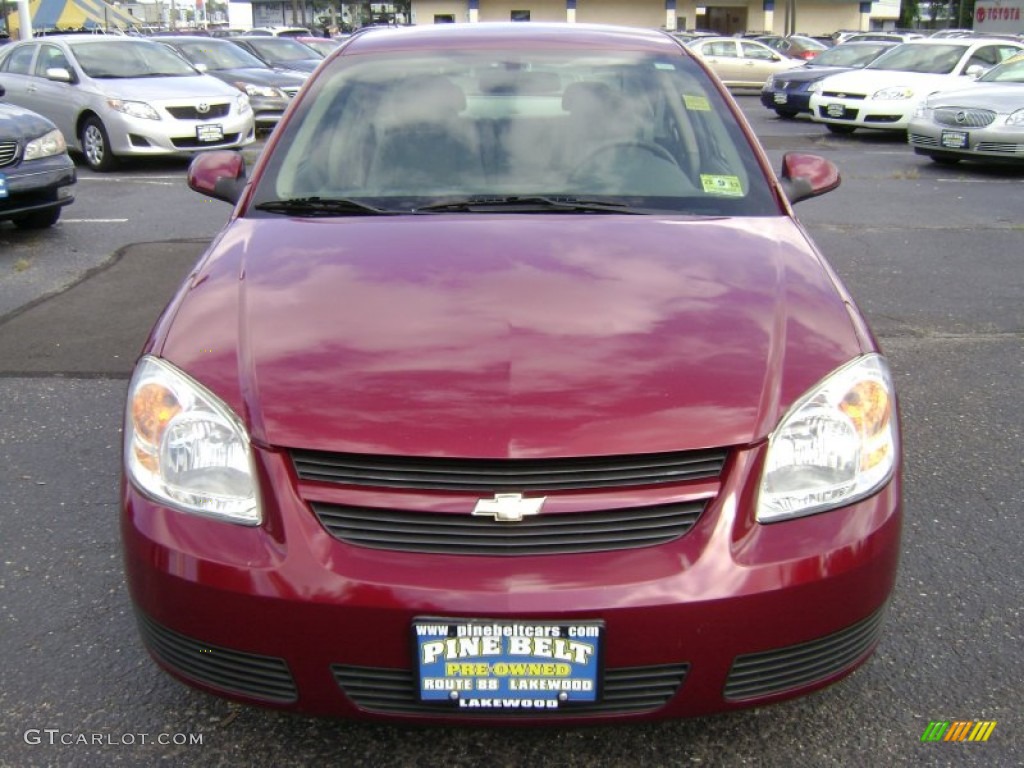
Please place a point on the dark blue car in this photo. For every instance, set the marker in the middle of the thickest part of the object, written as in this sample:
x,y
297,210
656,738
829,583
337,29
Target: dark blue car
x,y
788,92
36,174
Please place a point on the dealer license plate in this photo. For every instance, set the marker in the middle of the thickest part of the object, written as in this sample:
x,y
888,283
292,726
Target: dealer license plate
x,y
955,139
478,664
835,110
212,132
780,98
3,187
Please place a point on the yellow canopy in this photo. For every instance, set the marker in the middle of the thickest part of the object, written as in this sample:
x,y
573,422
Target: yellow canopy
x,y
72,15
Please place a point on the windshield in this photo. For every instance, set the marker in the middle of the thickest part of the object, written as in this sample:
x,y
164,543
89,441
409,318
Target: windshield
x,y
927,59
849,55
512,131
1011,71
218,56
280,49
128,58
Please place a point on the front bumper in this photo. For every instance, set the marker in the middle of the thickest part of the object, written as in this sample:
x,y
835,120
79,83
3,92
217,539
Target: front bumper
x,y
887,115
37,185
786,99
731,614
986,144
131,136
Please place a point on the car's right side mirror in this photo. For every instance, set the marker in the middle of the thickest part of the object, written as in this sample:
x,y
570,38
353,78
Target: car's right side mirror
x,y
806,176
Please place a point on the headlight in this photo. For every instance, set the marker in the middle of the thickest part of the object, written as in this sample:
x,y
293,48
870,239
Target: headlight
x,y
837,444
184,447
923,111
768,83
259,91
816,87
1017,118
138,109
896,93
46,146
242,102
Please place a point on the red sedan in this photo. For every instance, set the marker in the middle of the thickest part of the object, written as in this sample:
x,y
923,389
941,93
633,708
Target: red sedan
x,y
512,392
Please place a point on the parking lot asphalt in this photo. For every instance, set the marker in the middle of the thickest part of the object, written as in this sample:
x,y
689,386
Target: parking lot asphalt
x,y
91,328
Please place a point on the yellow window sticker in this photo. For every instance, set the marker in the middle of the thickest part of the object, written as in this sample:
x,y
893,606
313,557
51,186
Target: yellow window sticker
x,y
728,186
696,103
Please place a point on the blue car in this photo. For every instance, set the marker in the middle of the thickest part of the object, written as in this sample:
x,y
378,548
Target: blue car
x,y
788,92
36,174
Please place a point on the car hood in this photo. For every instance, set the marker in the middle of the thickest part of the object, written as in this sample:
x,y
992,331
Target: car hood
x,y
1001,97
809,73
150,89
871,80
19,123
508,335
260,76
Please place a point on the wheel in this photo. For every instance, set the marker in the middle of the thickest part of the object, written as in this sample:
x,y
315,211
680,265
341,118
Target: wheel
x,y
840,128
614,146
38,220
786,114
96,146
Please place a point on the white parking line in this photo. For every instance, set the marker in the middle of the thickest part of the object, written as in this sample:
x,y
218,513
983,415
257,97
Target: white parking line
x,y
152,180
93,221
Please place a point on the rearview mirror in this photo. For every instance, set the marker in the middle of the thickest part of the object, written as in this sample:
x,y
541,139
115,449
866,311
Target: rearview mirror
x,y
806,176
220,174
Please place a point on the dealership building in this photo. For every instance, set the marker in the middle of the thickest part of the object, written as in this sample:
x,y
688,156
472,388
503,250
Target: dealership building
x,y
813,17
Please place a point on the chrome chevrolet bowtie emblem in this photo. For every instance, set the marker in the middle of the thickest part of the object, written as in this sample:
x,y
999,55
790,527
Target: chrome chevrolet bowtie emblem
x,y
508,507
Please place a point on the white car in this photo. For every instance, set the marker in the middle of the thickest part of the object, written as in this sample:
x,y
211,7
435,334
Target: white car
x,y
884,94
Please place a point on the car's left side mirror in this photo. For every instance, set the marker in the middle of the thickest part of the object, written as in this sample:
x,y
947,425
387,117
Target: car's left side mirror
x,y
975,71
806,176
60,75
219,174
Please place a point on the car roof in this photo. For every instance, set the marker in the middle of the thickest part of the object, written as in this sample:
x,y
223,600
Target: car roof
x,y
502,34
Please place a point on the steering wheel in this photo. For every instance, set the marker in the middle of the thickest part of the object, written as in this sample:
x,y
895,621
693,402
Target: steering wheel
x,y
614,146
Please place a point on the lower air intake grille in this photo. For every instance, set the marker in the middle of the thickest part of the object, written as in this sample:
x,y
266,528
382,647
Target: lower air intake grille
x,y
260,677
625,691
463,534
762,674
8,152
513,475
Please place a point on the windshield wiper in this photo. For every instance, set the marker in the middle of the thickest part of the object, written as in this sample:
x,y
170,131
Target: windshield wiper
x,y
513,203
322,206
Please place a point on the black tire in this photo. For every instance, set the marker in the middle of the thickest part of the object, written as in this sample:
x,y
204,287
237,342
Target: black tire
x,y
96,146
843,129
786,114
38,220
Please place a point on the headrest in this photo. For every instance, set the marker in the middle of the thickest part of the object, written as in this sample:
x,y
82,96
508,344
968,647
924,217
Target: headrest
x,y
425,97
589,97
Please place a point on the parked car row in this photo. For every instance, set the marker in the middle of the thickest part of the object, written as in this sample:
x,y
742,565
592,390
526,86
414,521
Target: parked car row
x,y
116,96
956,97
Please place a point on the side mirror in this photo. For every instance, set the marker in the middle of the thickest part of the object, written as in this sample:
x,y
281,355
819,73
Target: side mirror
x,y
806,176
219,174
201,67
60,75
975,71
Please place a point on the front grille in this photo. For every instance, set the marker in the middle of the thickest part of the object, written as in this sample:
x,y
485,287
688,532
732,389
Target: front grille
x,y
8,153
763,674
964,118
191,113
511,475
1003,148
248,674
464,534
922,141
882,118
628,690
844,95
194,143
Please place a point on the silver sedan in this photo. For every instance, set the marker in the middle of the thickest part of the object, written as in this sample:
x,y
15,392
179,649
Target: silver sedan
x,y
984,121
115,96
